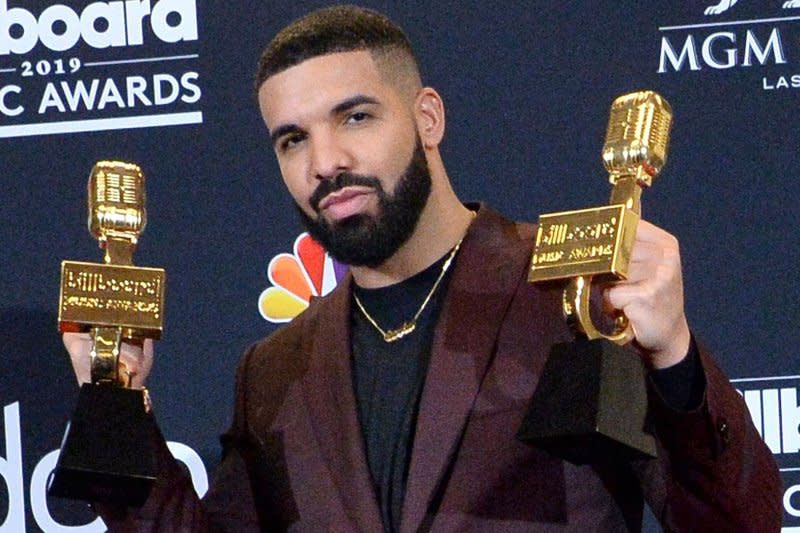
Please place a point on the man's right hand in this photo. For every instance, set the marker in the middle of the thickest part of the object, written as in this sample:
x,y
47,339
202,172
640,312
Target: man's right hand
x,y
137,359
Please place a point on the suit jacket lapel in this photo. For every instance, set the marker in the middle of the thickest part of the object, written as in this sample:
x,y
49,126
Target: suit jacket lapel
x,y
487,272
332,408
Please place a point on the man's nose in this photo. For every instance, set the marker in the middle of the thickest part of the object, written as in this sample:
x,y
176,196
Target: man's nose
x,y
329,157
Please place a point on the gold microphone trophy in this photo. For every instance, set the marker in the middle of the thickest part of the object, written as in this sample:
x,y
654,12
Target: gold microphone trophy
x,y
591,401
106,454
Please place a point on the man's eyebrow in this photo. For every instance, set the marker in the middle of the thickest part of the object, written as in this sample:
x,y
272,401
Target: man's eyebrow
x,y
341,107
352,102
280,131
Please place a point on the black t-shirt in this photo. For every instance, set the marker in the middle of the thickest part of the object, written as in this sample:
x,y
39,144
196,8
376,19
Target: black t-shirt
x,y
388,379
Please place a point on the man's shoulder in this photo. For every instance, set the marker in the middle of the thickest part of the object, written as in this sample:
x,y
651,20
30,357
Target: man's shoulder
x,y
526,231
289,343
491,226
271,368
273,360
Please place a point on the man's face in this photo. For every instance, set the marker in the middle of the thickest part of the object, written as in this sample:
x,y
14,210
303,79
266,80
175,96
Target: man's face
x,y
366,239
349,153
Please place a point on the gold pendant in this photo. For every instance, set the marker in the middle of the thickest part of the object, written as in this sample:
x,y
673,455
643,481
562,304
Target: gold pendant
x,y
397,334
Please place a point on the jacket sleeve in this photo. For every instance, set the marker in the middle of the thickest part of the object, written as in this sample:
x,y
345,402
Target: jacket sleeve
x,y
714,471
173,505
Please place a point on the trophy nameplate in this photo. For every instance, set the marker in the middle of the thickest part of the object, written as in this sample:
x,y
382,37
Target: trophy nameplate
x,y
111,295
590,404
588,242
107,454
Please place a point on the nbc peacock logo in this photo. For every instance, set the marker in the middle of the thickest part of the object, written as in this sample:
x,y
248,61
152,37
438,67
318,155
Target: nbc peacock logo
x,y
297,277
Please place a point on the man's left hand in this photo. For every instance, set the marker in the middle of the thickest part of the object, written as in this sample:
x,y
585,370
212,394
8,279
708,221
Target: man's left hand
x,y
652,297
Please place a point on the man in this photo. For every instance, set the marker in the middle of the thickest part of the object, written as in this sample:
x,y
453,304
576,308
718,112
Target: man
x,y
392,404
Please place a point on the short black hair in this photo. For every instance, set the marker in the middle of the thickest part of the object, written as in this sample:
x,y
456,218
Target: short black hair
x,y
344,28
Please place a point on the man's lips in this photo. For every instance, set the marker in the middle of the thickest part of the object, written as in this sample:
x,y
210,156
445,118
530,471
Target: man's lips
x,y
346,202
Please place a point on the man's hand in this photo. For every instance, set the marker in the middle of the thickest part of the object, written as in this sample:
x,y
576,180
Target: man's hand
x,y
137,359
652,297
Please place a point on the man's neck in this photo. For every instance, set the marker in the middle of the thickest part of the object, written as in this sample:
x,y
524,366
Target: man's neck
x,y
441,226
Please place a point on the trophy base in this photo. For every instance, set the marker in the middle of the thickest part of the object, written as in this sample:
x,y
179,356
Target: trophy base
x,y
107,454
590,405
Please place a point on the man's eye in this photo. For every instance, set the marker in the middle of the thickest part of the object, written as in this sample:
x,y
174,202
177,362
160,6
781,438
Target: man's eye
x,y
358,116
291,141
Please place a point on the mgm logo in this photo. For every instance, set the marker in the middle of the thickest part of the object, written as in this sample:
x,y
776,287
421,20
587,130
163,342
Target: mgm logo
x,y
725,5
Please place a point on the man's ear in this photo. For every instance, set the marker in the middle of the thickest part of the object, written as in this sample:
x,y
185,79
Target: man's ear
x,y
429,114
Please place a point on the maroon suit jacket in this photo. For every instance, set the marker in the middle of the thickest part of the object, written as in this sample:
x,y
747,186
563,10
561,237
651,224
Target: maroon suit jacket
x,y
294,457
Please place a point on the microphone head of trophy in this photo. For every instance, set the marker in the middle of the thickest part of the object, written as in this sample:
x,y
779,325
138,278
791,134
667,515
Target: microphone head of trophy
x,y
637,137
116,201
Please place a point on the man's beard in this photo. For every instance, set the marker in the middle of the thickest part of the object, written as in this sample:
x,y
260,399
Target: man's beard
x,y
366,239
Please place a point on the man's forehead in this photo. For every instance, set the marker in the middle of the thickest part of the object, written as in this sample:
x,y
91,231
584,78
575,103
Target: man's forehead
x,y
319,84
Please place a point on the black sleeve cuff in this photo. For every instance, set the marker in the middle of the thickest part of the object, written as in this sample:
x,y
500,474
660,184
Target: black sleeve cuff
x,y
682,385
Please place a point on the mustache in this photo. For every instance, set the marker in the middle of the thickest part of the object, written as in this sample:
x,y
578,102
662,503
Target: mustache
x,y
345,179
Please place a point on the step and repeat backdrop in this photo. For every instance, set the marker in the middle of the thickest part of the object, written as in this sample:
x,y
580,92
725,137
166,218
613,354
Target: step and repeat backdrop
x,y
167,84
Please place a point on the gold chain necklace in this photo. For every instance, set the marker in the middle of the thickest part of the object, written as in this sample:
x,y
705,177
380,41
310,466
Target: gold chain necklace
x,y
409,326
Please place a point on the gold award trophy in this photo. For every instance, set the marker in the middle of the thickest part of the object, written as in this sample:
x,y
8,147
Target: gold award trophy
x,y
591,401
106,454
